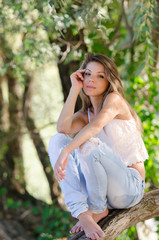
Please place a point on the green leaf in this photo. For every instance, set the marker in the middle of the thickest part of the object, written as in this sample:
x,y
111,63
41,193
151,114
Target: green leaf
x,y
3,191
135,36
140,68
153,47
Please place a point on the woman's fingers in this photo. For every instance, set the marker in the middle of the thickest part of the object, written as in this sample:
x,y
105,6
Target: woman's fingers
x,y
77,79
60,166
79,73
58,177
59,174
79,76
81,70
62,175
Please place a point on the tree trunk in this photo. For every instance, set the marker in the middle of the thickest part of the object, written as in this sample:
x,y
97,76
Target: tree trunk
x,y
1,108
119,220
13,230
36,138
65,71
13,164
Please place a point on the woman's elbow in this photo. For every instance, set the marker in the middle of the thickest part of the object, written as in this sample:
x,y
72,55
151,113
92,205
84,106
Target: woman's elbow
x,y
61,129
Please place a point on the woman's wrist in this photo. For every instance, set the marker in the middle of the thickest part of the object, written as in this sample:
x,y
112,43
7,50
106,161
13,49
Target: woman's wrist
x,y
75,90
66,150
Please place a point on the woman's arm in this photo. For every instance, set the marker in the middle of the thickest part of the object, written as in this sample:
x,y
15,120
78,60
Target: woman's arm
x,y
110,109
68,122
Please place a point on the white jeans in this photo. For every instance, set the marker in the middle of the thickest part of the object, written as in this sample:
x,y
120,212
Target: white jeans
x,y
96,177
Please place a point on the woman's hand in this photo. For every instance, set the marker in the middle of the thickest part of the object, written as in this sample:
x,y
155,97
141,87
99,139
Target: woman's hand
x,y
61,165
77,79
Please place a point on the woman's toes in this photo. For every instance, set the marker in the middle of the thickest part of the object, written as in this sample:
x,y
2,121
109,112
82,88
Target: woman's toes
x,y
77,229
96,236
73,229
88,235
81,229
101,234
93,236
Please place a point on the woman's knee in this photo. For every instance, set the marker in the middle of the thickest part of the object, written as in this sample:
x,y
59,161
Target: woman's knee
x,y
59,140
88,147
56,144
58,137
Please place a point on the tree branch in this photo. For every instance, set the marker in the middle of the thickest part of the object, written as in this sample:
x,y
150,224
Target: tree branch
x,y
119,220
155,37
116,32
129,27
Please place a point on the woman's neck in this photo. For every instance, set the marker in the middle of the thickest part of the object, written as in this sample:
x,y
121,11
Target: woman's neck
x,y
95,104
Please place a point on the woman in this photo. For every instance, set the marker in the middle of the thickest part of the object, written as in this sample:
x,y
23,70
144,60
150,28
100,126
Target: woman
x,y
102,167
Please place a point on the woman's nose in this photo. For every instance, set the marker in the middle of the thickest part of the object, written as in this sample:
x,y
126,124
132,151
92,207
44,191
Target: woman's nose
x,y
91,78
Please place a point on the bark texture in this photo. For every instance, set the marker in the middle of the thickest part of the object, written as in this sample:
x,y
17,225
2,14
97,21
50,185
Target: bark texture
x,y
65,71
155,36
119,220
36,138
13,164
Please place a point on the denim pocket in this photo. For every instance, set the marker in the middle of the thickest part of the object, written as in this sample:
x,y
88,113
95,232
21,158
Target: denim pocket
x,y
140,185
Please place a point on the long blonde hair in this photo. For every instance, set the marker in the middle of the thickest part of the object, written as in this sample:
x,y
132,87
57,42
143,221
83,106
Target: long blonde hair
x,y
115,84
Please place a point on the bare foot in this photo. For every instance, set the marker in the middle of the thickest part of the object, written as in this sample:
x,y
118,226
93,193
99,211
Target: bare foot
x,y
97,217
91,228
76,228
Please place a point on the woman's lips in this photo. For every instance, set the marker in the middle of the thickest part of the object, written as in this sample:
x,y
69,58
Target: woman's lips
x,y
91,87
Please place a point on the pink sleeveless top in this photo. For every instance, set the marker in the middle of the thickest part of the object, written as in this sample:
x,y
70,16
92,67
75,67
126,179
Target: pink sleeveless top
x,y
125,140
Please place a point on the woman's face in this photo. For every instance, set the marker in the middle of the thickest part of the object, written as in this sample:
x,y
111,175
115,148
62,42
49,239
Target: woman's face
x,y
95,82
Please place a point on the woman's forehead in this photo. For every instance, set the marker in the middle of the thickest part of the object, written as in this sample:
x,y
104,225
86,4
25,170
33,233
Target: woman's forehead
x,y
95,66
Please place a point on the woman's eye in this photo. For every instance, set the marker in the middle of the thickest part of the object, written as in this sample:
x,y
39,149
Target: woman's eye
x,y
101,76
87,74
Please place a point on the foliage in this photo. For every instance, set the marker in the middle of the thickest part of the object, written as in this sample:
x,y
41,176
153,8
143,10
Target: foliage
x,y
128,234
55,223
24,42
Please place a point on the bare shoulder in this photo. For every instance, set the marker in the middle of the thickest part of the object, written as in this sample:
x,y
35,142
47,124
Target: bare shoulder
x,y
114,97
119,102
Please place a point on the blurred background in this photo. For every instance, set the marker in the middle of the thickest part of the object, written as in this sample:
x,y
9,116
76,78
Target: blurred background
x,y
41,44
